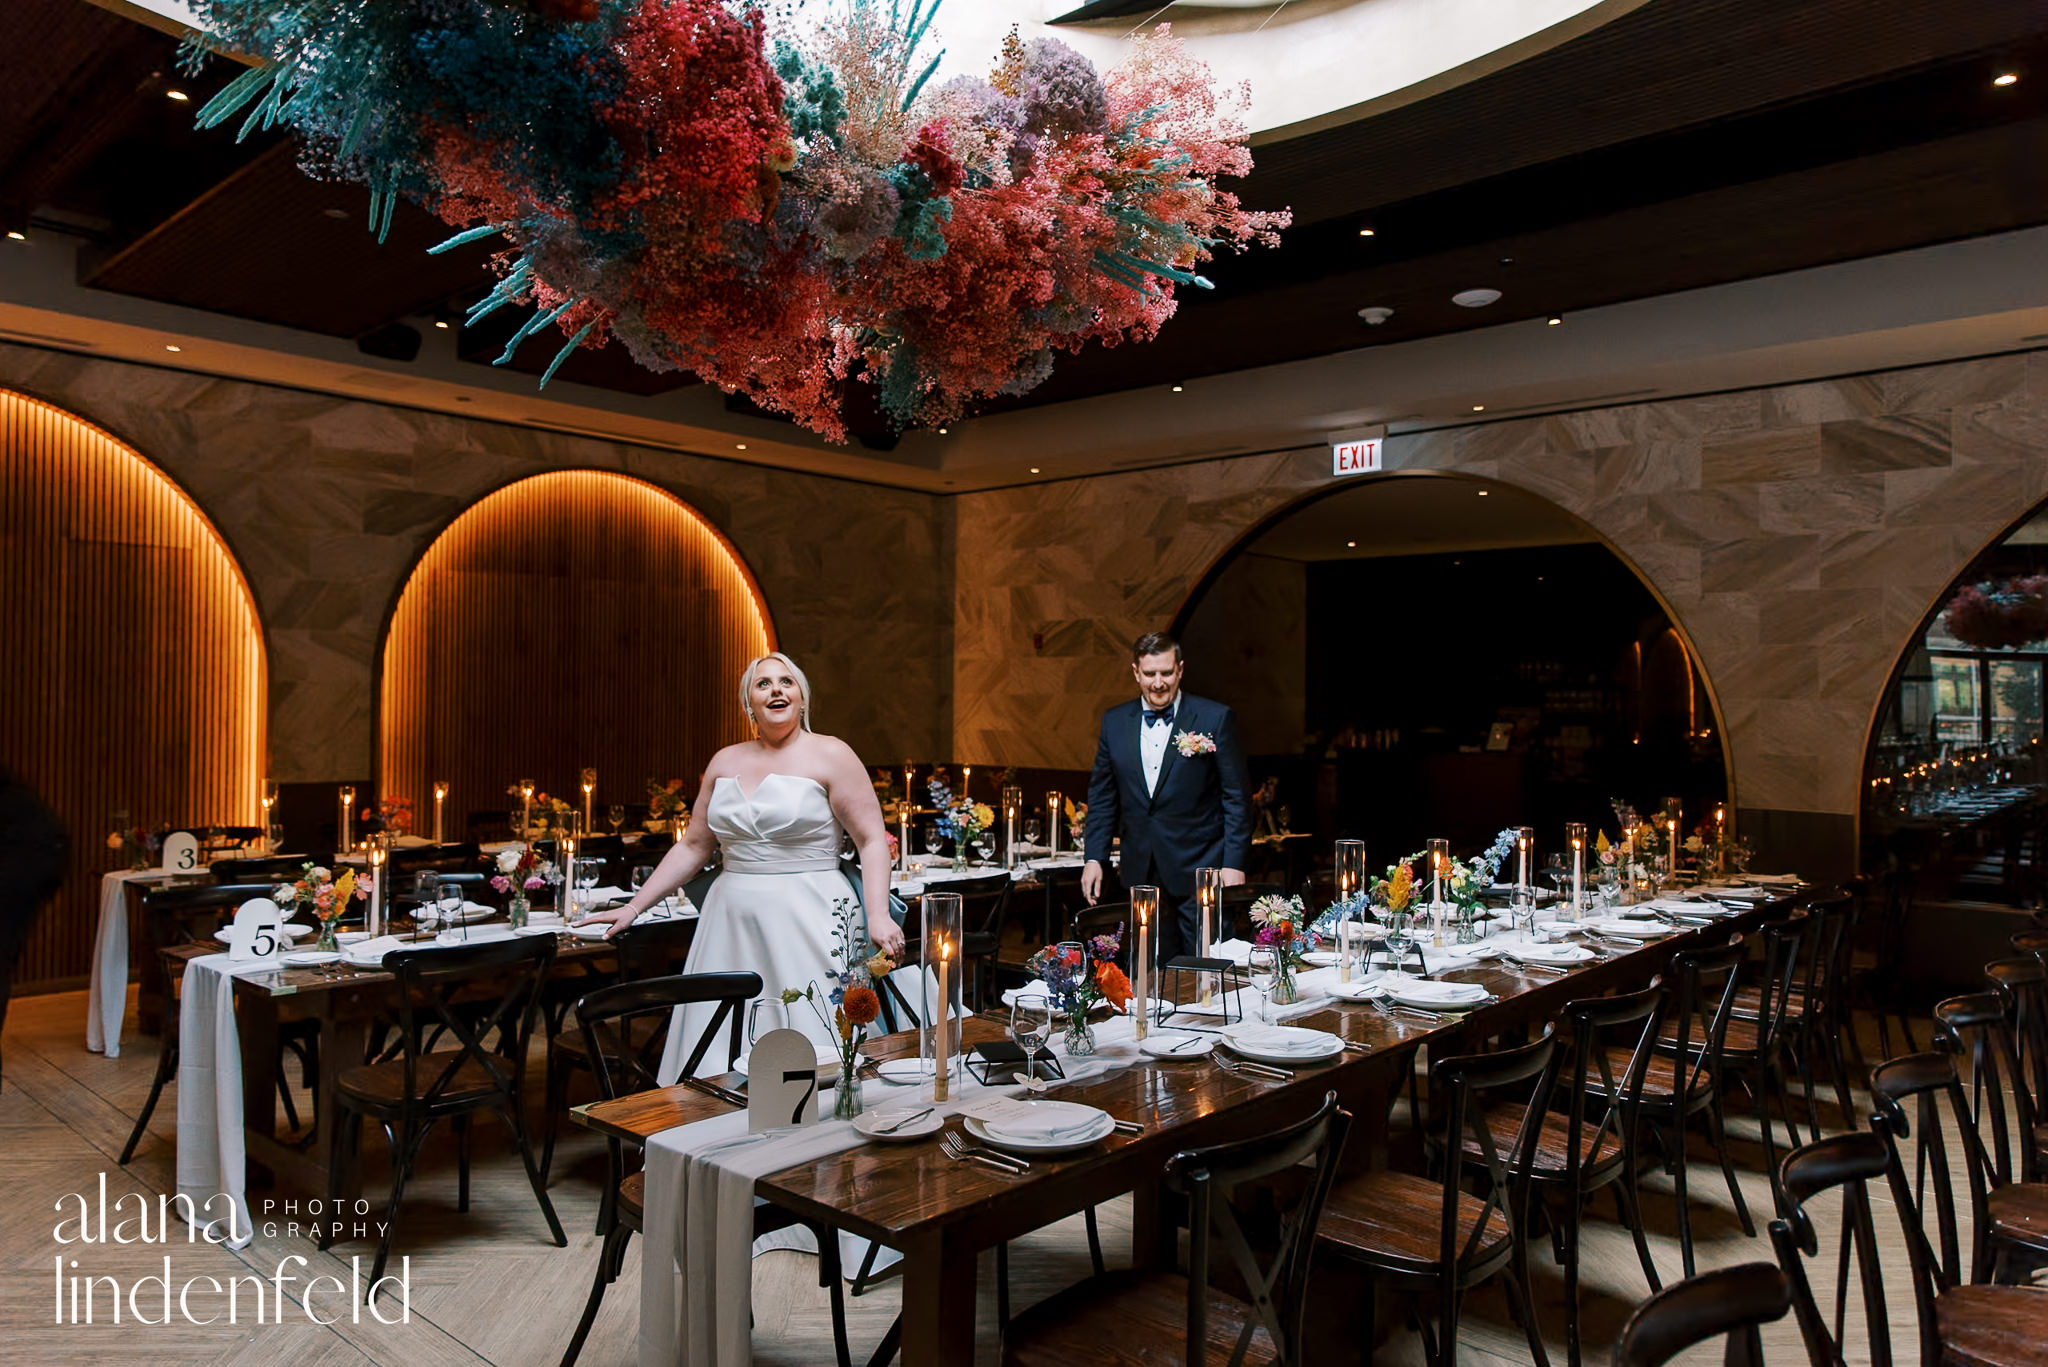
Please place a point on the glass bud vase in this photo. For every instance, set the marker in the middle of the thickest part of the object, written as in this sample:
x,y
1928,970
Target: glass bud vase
x,y
846,1102
1466,926
517,909
1079,1038
327,943
1284,992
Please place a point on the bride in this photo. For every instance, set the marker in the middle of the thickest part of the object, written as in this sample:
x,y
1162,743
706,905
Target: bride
x,y
775,806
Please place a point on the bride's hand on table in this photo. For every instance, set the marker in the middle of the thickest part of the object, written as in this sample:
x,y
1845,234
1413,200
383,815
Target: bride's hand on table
x,y
619,917
887,935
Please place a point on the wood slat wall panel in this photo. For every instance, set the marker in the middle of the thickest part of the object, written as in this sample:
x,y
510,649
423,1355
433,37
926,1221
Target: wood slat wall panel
x,y
571,619
131,658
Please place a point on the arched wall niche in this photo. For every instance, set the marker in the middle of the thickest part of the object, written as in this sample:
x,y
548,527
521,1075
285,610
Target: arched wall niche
x,y
570,619
131,657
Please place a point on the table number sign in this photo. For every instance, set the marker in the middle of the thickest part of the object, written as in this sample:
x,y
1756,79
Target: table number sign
x,y
181,852
782,1081
257,933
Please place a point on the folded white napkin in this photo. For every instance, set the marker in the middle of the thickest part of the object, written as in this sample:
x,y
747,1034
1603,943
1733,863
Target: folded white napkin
x,y
1237,951
372,951
1282,1039
1036,1121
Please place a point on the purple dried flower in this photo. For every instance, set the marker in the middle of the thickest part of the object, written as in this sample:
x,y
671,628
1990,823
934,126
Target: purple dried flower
x,y
1060,90
1106,946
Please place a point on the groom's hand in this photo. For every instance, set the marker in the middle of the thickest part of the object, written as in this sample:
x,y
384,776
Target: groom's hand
x,y
1091,882
1230,878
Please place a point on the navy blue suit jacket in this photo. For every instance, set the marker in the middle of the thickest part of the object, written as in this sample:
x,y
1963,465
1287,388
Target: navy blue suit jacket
x,y
1198,817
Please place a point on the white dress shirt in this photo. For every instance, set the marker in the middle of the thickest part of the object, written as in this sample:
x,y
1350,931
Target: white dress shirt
x,y
1153,737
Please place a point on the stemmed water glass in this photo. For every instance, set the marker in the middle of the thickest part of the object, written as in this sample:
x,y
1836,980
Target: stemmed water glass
x,y
765,1015
1031,1026
984,849
1031,830
1264,964
616,814
587,871
1400,937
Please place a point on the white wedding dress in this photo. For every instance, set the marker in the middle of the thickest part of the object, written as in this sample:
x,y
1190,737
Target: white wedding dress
x,y
773,910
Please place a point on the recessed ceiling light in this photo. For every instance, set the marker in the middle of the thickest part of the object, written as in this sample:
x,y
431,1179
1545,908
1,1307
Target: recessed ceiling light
x,y
1554,319
1367,232
1177,388
1351,543
178,95
2006,78
14,236
1475,299
1034,469
173,348
1484,492
943,431
441,323
741,446
1478,408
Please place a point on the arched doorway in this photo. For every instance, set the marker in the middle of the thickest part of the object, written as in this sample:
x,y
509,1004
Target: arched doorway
x,y
575,619
1436,655
131,657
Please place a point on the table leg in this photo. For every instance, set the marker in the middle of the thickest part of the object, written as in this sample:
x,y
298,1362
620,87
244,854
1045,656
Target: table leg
x,y
938,1303
341,1046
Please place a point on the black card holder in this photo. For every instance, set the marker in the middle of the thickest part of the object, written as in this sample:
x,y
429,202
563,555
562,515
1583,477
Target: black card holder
x,y
993,1061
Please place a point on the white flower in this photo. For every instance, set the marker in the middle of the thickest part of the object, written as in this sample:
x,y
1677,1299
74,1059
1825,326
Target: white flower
x,y
320,875
508,860
1192,743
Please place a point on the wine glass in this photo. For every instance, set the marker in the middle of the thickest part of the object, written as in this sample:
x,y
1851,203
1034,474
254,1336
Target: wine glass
x,y
932,839
1031,1026
1264,963
1031,830
764,1015
587,871
638,878
1400,937
616,814
984,848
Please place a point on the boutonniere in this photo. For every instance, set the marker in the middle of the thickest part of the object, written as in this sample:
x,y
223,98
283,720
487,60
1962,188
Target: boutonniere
x,y
1192,743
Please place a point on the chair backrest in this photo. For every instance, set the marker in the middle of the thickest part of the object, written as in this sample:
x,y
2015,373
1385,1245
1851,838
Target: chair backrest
x,y
2023,983
1908,1093
1701,1007
1235,907
652,949
1787,942
1978,1029
1106,919
1729,1301
2030,941
982,900
1207,1177
1599,1024
459,857
1827,956
1848,1162
606,1017
443,987
274,866
1468,1084
179,914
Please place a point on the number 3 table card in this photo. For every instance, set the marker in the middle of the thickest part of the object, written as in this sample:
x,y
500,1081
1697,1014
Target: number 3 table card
x,y
782,1081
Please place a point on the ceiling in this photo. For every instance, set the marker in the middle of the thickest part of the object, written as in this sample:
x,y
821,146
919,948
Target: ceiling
x,y
1418,515
1682,144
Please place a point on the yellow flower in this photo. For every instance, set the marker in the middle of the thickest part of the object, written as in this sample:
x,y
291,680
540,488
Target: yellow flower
x,y
984,815
1399,888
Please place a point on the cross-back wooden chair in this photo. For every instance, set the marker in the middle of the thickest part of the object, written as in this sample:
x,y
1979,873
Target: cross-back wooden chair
x,y
1847,1163
1730,1303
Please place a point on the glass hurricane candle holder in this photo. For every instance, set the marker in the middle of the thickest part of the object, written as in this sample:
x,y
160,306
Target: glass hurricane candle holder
x,y
942,982
348,825
1208,906
1013,816
1575,840
1144,917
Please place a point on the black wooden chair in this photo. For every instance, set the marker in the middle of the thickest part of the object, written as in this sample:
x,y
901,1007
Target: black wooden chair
x,y
1429,1236
409,1095
1753,1047
1730,1303
278,868
984,906
646,949
1848,1163
1591,1143
1811,1021
1180,1318
460,857
612,1019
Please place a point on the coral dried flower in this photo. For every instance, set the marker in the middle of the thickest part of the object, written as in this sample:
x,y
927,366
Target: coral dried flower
x,y
1116,988
862,1005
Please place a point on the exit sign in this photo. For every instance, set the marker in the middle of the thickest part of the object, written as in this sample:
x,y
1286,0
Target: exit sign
x,y
1355,457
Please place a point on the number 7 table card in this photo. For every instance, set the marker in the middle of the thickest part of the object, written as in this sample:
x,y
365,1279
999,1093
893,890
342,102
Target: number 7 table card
x,y
782,1081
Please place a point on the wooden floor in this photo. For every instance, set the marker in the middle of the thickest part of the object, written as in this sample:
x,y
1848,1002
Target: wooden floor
x,y
487,1286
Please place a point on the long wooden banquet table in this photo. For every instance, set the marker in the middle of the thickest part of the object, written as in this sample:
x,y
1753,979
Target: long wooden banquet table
x,y
940,1214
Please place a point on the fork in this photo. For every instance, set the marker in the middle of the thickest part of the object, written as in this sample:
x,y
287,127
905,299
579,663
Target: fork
x,y
1249,1068
960,1151
1388,1009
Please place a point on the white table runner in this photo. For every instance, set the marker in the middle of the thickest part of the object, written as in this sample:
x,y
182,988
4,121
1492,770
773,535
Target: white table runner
x,y
696,1268
213,1161
107,989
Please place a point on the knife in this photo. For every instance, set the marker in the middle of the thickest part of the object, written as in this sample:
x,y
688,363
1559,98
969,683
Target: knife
x,y
712,1089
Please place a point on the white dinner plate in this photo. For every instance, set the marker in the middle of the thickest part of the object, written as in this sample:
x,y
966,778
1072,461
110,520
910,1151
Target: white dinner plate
x,y
869,1123
1550,954
905,1072
306,958
1320,958
1010,999
1431,995
594,931
1282,1043
1631,929
1098,1130
297,930
1175,1045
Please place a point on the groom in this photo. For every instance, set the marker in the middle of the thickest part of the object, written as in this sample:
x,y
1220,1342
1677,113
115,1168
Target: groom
x,y
1169,778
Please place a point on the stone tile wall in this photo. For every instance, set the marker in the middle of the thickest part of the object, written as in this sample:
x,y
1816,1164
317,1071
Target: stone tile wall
x,y
1798,535
328,502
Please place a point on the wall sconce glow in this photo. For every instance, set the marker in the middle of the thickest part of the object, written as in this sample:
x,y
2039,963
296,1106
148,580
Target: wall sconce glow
x,y
2006,78
178,95
13,236
173,348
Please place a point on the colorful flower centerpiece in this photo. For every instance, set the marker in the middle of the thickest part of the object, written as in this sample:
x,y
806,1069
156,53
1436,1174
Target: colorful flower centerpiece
x,y
1282,923
138,844
1077,822
1077,975
960,820
517,871
1466,883
855,1003
668,805
393,815
778,201
318,891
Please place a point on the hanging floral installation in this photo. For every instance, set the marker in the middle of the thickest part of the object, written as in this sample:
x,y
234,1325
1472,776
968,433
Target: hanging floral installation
x,y
1999,614
777,205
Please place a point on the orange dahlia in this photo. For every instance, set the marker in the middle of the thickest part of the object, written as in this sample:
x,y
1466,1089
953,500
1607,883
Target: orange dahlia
x,y
862,1005
1116,988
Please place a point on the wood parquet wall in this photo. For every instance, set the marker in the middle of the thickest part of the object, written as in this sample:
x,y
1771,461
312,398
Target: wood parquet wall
x,y
131,662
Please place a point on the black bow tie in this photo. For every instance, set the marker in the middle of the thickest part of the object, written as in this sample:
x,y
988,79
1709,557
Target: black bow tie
x,y
1164,714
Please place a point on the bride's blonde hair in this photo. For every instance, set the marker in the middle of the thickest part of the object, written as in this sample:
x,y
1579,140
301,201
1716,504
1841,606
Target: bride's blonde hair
x,y
747,685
